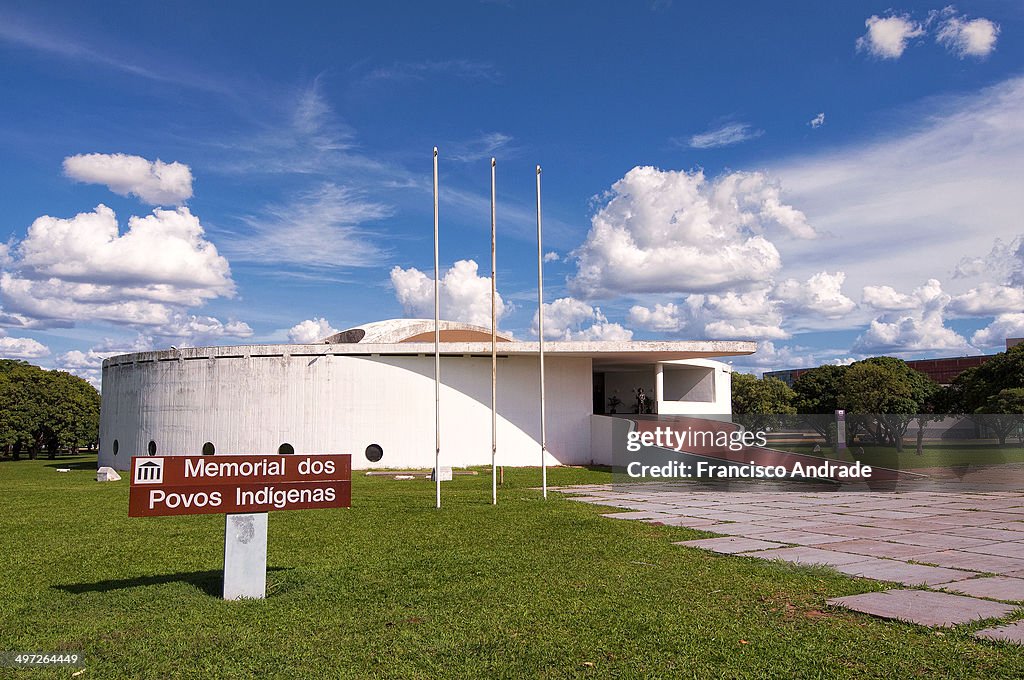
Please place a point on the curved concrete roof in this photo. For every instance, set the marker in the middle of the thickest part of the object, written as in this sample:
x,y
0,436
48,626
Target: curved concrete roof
x,y
412,330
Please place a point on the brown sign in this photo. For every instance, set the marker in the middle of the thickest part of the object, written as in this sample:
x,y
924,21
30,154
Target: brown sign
x,y
192,485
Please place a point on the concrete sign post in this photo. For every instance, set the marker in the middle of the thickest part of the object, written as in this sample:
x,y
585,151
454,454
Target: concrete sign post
x,y
245,488
245,556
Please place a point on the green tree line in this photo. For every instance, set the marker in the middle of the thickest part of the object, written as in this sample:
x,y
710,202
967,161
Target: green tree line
x,y
46,411
884,397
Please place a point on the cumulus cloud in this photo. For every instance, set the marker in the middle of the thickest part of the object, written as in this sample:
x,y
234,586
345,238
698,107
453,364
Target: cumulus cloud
x,y
167,249
1002,327
817,121
887,299
551,256
89,364
676,232
21,348
83,269
887,37
726,135
772,357
988,300
465,295
821,295
190,330
153,182
310,331
732,316
1004,263
965,37
571,319
917,330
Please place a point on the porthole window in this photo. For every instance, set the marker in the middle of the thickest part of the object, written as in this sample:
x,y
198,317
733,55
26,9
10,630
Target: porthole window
x,y
115,447
152,447
286,449
209,449
374,452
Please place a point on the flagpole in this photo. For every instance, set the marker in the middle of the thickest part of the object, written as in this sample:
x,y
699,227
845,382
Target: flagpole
x,y
494,342
540,345
437,352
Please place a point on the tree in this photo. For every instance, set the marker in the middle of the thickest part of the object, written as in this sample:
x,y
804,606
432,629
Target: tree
x,y
990,393
885,394
42,409
760,402
817,398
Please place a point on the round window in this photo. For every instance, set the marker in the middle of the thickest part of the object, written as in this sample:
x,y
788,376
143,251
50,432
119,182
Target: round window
x,y
115,447
374,452
209,449
286,449
152,447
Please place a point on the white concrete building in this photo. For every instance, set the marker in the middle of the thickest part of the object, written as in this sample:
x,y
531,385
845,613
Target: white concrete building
x,y
374,385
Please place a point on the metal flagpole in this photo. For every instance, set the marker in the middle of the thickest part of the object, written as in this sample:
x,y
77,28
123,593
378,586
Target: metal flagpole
x,y
494,345
437,352
540,345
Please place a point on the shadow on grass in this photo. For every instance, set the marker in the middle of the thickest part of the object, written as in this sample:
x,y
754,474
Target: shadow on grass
x,y
77,465
209,582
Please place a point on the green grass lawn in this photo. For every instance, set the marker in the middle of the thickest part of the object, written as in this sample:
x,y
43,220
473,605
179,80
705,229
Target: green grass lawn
x,y
933,455
395,588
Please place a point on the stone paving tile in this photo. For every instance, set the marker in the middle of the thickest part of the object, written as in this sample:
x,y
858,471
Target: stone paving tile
x,y
939,540
993,587
973,561
888,514
729,545
688,522
853,531
798,537
637,514
739,528
1012,549
907,525
1011,632
923,607
876,548
901,572
808,555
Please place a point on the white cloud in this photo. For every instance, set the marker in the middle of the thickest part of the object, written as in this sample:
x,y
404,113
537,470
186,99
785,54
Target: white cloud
x,y
317,228
732,316
153,182
1004,263
1002,327
887,37
478,149
465,296
5,255
887,299
189,330
21,348
988,300
770,357
817,121
820,295
89,364
83,269
163,251
571,319
551,256
726,135
310,331
675,232
918,330
968,37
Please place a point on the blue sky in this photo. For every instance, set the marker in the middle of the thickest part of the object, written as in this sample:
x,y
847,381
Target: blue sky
x,y
835,180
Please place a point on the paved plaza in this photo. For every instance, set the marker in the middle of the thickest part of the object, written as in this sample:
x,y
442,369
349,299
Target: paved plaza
x,y
970,545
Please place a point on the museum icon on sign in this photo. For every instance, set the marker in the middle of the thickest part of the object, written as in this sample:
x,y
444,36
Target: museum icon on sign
x,y
150,472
